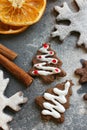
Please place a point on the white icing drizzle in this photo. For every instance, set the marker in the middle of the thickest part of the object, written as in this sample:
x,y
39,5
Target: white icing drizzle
x,y
45,56
56,108
46,70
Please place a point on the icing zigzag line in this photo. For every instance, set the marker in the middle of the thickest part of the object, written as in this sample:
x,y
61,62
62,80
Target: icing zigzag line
x,y
56,108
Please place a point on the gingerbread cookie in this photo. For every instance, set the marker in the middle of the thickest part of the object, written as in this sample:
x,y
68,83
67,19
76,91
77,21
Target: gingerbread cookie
x,y
78,22
12,102
46,65
82,72
55,101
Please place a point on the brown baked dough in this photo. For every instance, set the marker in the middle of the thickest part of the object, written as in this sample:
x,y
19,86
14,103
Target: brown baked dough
x,y
46,78
40,100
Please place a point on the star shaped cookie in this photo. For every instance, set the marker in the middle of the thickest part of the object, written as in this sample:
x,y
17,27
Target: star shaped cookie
x,y
82,72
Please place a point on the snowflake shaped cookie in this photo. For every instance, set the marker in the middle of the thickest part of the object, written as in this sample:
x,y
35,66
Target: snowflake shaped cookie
x,y
13,102
78,22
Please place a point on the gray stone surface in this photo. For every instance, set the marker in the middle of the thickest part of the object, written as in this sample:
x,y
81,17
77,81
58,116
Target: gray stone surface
x,y
26,45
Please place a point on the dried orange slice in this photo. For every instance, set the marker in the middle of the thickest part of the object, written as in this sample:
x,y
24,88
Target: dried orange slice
x,y
21,12
8,29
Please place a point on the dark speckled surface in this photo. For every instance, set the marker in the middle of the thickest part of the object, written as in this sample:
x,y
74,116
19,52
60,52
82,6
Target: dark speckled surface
x,y
26,45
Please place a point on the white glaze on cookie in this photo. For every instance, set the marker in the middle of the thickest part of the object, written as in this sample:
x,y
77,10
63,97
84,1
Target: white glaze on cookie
x,y
56,108
46,58
12,102
78,22
45,69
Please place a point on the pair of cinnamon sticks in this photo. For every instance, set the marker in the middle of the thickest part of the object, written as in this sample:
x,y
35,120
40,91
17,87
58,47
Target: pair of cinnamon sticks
x,y
6,58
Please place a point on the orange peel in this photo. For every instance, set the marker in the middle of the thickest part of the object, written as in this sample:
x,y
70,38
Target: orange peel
x,y
8,29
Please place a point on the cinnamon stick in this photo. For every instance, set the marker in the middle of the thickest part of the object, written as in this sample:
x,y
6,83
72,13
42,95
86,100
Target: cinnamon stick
x,y
16,71
11,55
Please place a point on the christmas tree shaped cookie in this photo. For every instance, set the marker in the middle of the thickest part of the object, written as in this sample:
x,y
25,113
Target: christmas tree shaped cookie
x,y
46,65
55,101
13,102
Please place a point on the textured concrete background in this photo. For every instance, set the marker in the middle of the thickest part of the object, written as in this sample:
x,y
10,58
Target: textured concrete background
x,y
26,45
